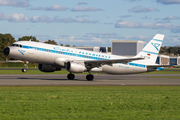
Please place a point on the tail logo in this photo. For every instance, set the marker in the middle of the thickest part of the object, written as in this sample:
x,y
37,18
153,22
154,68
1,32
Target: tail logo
x,y
156,45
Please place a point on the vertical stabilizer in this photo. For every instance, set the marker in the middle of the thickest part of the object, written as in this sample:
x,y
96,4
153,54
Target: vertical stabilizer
x,y
151,50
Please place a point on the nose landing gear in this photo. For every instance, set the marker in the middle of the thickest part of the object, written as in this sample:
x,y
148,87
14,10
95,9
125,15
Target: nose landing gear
x,y
24,70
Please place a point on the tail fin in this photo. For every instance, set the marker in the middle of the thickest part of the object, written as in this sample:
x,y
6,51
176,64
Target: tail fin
x,y
151,50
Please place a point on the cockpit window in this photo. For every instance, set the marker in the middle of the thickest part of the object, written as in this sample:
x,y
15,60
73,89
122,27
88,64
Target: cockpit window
x,y
17,45
13,44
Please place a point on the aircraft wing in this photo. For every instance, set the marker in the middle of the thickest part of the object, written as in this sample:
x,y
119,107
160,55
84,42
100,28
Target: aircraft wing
x,y
98,63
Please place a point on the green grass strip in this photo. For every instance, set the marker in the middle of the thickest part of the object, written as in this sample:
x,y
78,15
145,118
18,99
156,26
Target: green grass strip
x,y
163,72
31,72
38,72
90,103
173,77
63,71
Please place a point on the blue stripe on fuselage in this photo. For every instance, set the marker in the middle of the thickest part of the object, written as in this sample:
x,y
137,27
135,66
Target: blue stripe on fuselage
x,y
137,65
70,53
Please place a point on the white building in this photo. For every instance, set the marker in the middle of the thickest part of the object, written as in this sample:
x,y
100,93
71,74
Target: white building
x,y
162,60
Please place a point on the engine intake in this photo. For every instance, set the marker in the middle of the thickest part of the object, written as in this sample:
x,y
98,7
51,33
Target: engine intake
x,y
48,68
75,67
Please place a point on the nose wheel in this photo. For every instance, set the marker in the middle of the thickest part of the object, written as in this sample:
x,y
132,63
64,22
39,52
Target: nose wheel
x,y
24,70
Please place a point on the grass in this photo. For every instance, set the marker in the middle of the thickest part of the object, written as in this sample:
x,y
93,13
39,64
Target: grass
x,y
171,77
37,72
163,72
171,69
63,71
31,72
90,102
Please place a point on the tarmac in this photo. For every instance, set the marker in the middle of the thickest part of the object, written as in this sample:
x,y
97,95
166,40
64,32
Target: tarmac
x,y
99,80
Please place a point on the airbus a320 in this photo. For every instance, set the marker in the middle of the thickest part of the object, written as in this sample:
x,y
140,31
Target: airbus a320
x,y
52,58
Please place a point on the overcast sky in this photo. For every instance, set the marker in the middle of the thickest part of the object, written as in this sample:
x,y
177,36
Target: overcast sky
x,y
91,22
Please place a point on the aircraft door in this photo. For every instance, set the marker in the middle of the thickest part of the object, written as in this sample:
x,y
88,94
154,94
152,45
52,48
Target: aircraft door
x,y
32,54
31,50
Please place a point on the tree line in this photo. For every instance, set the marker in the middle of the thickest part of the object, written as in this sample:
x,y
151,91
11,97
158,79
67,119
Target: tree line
x,y
8,39
172,51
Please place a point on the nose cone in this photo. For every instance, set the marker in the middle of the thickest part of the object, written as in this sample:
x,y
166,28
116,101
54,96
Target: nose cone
x,y
6,51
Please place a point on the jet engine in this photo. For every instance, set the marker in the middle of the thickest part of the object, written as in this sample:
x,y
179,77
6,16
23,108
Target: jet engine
x,y
48,68
75,67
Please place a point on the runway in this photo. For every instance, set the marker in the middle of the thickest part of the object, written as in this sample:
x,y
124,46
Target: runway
x,y
99,80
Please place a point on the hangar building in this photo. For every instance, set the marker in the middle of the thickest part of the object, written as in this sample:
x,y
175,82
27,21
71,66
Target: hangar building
x,y
162,60
126,48
174,60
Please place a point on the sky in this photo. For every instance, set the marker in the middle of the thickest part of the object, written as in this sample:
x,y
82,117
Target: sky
x,y
91,22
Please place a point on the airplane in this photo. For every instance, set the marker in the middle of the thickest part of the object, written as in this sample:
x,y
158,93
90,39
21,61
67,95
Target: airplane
x,y
52,58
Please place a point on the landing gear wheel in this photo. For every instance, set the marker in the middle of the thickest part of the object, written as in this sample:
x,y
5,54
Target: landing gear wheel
x,y
25,66
24,70
90,77
71,76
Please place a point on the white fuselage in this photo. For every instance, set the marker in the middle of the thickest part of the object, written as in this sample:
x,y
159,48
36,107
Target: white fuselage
x,y
48,54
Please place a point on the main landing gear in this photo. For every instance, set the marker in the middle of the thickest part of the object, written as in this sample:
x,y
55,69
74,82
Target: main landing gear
x,y
25,66
71,76
88,77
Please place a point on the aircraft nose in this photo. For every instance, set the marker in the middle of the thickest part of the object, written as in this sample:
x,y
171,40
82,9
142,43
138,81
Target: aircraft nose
x,y
6,51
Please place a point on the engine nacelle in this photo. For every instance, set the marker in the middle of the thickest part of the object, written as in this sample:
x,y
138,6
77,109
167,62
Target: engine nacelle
x,y
75,67
48,68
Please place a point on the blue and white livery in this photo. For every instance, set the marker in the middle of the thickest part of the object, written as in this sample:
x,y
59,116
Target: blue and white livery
x,y
52,58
